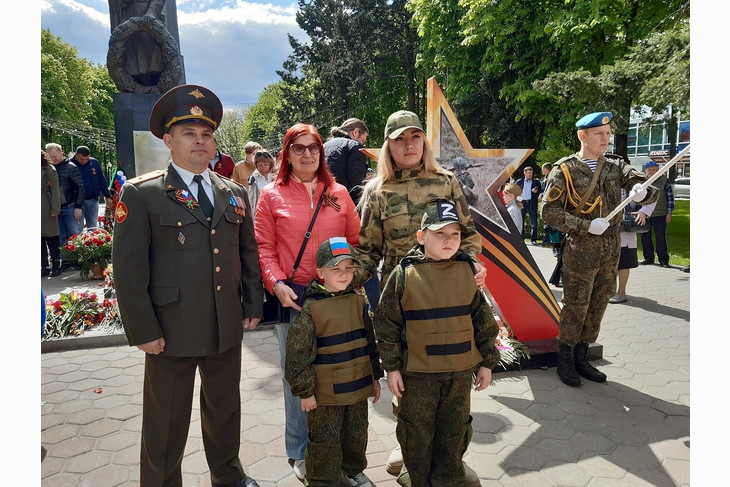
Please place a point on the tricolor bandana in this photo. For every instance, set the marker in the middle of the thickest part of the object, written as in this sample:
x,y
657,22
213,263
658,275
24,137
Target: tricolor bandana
x,y
239,206
184,197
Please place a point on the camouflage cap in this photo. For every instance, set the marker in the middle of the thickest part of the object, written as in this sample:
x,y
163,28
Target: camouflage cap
x,y
333,251
401,121
440,214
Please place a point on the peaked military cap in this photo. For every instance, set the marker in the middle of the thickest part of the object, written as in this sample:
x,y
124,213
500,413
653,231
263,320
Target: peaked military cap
x,y
185,104
440,214
594,120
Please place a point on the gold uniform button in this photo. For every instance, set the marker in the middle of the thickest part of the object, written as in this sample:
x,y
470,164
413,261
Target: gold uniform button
x,y
212,232
179,224
217,269
216,251
218,288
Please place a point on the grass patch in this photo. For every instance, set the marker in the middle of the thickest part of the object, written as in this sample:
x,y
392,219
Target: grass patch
x,y
677,235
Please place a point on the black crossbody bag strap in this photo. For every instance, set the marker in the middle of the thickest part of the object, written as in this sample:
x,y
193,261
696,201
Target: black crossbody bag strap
x,y
307,235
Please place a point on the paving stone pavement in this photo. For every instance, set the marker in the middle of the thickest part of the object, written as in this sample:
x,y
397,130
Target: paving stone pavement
x,y
529,428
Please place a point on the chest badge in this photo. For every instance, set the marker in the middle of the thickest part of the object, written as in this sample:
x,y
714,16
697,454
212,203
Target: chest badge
x,y
239,206
181,238
184,197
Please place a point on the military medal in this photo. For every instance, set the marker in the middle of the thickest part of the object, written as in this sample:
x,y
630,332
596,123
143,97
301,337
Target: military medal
x,y
181,238
239,206
184,197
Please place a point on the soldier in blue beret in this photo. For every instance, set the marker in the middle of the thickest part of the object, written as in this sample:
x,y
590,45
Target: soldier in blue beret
x,y
580,190
188,283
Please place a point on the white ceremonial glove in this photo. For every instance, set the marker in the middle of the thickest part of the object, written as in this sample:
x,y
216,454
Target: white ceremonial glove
x,y
637,193
598,226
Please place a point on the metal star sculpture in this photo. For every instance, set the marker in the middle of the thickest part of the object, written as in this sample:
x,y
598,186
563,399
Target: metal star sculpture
x,y
516,286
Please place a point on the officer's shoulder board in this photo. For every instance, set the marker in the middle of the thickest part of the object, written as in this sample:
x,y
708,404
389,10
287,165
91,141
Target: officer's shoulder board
x,y
157,173
231,182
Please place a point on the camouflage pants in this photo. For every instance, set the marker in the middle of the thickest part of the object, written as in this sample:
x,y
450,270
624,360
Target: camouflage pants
x,y
434,428
338,438
589,281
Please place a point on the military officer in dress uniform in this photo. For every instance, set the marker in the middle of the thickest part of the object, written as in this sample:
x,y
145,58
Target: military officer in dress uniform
x,y
188,282
592,244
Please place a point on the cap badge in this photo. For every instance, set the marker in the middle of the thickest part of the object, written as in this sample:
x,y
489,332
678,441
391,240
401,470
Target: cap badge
x,y
604,120
196,110
197,94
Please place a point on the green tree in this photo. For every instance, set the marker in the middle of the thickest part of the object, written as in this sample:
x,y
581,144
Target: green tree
x,y
76,100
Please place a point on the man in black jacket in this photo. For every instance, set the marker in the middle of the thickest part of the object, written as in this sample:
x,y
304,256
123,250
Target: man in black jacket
x,y
345,161
71,219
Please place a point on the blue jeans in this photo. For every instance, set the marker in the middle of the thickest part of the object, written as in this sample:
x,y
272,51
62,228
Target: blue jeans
x,y
296,431
68,225
90,212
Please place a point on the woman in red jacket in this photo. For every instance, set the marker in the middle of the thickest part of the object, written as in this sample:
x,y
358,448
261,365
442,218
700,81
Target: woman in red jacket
x,y
283,215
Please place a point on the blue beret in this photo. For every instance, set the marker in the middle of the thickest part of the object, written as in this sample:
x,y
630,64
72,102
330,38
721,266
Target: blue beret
x,y
594,120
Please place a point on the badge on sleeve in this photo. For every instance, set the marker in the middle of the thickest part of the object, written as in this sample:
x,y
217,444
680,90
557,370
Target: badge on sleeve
x,y
121,212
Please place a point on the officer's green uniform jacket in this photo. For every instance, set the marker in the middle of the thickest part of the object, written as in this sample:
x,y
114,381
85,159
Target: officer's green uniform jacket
x,y
301,345
390,320
180,277
565,189
392,215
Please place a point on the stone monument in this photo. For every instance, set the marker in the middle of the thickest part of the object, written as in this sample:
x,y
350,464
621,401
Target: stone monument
x,y
144,61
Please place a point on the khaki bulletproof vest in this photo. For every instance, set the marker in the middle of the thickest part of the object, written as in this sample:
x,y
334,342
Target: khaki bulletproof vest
x,y
342,368
437,305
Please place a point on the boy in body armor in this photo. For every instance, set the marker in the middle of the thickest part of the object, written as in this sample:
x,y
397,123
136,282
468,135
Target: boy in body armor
x,y
332,365
435,329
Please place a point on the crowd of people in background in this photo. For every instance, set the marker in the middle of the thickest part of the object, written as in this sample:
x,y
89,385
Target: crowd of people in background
x,y
209,243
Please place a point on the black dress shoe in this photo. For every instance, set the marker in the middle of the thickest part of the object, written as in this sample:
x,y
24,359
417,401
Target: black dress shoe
x,y
246,481
663,264
646,262
45,271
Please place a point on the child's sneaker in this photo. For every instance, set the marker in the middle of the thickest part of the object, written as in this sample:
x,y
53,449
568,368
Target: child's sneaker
x,y
359,480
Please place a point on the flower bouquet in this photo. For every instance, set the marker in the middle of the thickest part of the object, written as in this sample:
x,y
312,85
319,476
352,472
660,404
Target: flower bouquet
x,y
510,349
75,312
90,249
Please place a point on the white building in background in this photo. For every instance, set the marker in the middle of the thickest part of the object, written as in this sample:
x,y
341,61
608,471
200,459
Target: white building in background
x,y
649,141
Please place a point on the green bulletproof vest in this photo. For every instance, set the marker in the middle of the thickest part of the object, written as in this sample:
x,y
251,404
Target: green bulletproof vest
x,y
342,368
436,302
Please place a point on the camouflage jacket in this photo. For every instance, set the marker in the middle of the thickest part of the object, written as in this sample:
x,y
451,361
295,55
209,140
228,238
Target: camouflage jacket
x,y
392,215
390,323
301,343
568,181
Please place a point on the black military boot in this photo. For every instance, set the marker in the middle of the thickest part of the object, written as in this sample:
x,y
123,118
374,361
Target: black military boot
x,y
566,368
583,367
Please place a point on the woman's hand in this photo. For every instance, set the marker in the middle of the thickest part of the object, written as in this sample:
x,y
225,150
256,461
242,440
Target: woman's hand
x,y
309,403
481,275
286,296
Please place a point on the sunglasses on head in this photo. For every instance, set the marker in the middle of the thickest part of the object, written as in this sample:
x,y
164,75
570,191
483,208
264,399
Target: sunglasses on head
x,y
299,149
262,153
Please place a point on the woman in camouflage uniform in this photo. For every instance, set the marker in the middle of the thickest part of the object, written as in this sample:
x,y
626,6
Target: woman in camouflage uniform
x,y
408,178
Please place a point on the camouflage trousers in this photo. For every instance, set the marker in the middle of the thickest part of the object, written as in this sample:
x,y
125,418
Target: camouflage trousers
x,y
434,428
589,281
338,438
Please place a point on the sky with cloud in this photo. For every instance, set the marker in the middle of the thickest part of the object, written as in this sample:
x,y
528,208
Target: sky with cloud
x,y
233,47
